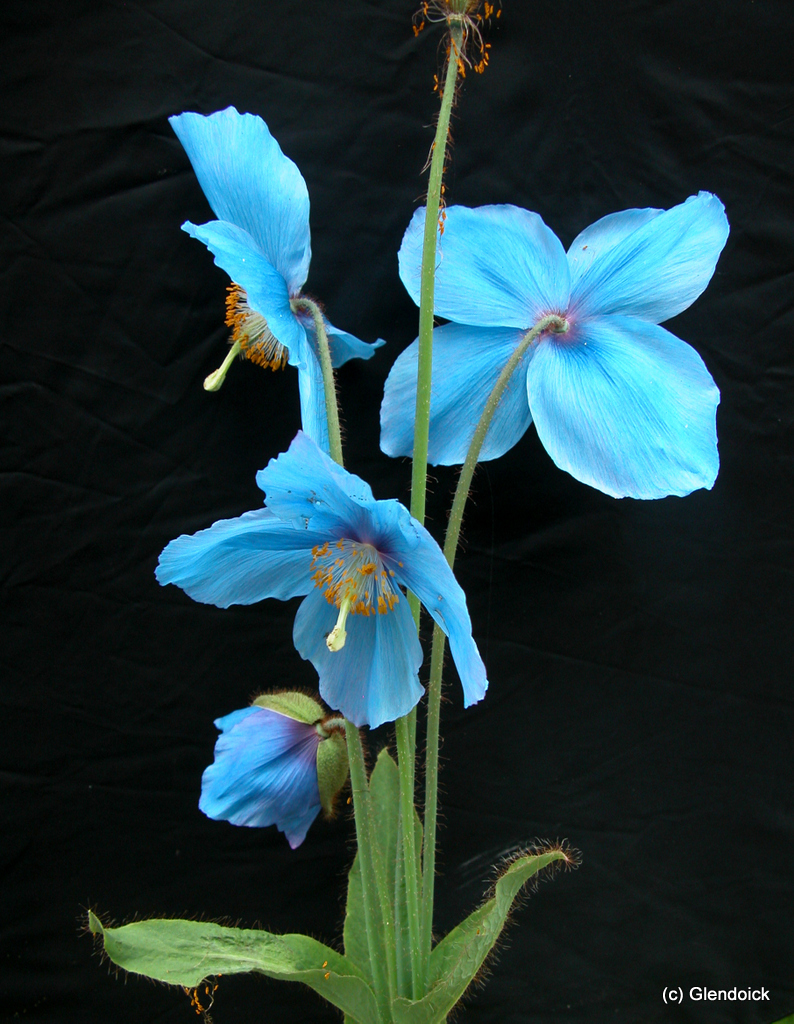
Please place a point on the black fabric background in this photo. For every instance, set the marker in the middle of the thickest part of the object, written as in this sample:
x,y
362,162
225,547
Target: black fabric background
x,y
639,653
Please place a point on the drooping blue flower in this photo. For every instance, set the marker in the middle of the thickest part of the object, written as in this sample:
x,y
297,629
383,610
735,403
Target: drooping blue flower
x,y
264,773
261,239
323,534
618,402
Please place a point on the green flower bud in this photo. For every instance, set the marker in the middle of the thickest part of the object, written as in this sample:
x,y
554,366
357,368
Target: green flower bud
x,y
332,768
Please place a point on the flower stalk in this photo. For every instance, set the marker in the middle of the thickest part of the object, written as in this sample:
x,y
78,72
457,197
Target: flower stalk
x,y
381,950
427,295
557,324
406,728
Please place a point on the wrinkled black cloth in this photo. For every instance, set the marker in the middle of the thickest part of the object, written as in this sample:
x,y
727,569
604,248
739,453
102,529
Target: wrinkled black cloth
x,y
639,653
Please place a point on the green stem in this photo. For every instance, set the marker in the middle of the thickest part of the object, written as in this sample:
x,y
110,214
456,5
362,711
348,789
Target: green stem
x,y
428,281
331,407
406,760
554,322
377,923
559,325
377,913
406,732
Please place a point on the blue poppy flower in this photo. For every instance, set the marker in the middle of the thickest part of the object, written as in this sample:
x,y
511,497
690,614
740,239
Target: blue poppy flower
x,y
323,534
617,401
264,773
261,239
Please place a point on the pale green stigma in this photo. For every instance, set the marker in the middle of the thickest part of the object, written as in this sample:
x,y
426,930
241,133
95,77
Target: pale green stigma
x,y
217,377
336,638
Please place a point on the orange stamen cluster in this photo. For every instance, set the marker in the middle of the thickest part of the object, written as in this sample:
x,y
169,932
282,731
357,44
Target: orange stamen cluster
x,y
195,1001
249,328
353,573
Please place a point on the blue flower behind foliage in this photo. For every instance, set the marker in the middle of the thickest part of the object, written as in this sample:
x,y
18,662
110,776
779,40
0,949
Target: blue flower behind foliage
x,y
261,239
617,401
323,534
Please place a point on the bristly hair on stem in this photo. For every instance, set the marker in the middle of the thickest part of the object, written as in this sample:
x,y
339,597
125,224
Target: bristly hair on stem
x,y
473,51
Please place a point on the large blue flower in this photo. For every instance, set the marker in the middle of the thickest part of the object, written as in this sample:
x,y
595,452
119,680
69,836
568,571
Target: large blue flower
x,y
618,402
261,239
323,534
264,773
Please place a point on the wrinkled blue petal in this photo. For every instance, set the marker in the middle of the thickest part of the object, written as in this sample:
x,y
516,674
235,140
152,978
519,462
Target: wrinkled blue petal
x,y
264,773
603,235
374,678
305,487
466,364
497,266
265,288
424,570
314,415
626,407
658,270
240,561
344,346
249,182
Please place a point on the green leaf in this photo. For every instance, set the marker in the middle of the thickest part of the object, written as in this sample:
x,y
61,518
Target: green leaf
x,y
786,1020
458,957
385,791
186,952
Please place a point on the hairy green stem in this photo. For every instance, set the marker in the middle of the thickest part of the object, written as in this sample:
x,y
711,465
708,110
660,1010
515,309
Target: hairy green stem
x,y
557,324
377,913
428,280
378,925
331,407
406,761
406,731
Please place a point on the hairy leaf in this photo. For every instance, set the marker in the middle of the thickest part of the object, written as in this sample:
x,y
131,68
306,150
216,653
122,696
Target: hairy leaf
x,y
186,952
458,957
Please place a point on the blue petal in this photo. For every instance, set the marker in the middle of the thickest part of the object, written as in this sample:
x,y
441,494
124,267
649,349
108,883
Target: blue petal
x,y
249,182
626,407
497,266
466,364
314,415
374,678
346,346
240,561
305,487
266,290
603,235
658,270
264,773
423,569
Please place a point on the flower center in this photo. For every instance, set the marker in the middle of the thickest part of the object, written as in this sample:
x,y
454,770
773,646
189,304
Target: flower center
x,y
353,580
249,328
